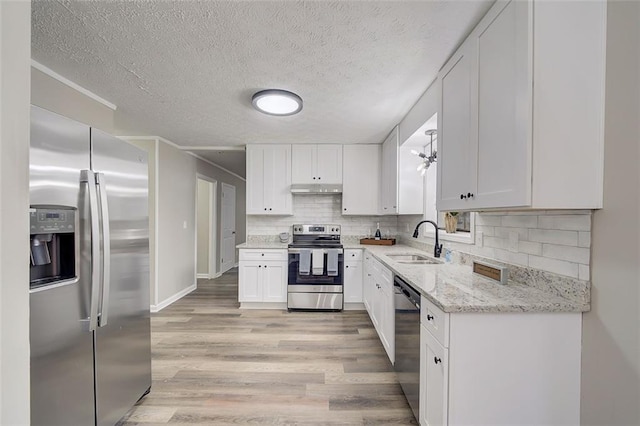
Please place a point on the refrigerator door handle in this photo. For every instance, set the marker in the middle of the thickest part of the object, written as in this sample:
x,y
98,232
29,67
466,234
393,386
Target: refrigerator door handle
x,y
88,177
106,249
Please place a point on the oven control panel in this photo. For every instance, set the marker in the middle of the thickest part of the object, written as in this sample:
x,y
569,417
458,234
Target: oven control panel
x,y
316,230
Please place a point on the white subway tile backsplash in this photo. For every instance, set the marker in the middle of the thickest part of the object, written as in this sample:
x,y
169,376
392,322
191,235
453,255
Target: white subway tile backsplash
x,y
565,223
487,219
523,233
510,257
530,247
584,272
488,231
561,267
520,221
567,238
584,239
570,254
554,241
494,242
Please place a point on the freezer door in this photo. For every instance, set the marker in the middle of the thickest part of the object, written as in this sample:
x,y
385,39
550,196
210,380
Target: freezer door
x,y
122,339
61,343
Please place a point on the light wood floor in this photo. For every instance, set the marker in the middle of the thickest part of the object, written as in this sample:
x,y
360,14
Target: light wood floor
x,y
214,364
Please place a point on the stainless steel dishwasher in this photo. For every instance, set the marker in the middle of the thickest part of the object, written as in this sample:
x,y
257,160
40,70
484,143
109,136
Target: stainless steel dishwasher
x,y
407,362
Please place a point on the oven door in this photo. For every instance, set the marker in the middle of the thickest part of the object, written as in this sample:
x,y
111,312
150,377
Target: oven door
x,y
314,292
314,280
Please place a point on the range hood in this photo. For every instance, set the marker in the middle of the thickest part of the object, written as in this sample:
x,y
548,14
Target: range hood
x,y
316,188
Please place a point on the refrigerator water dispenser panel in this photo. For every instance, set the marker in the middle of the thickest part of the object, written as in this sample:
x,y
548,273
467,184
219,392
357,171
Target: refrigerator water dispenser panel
x,y
53,245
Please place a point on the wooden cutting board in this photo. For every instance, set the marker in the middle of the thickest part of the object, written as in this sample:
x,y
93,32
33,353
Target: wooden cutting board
x,y
381,242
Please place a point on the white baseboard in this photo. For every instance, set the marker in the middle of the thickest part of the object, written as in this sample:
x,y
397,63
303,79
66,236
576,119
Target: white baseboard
x,y
166,302
263,305
218,275
354,307
203,276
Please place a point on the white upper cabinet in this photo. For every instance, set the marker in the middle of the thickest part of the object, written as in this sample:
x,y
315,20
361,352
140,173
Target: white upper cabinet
x,y
316,164
522,109
402,186
389,184
361,180
269,180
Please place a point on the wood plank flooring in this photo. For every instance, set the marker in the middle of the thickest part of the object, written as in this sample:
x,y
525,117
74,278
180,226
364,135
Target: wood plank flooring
x,y
214,364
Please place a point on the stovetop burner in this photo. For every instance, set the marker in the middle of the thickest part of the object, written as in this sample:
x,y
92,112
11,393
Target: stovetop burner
x,y
316,236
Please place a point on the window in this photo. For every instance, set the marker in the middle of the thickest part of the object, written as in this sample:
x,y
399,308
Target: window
x,y
424,143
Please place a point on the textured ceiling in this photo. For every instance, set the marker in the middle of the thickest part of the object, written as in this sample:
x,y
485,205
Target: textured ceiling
x,y
232,160
186,70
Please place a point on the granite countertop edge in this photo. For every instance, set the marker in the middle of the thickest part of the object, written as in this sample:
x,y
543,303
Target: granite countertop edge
x,y
471,292
455,288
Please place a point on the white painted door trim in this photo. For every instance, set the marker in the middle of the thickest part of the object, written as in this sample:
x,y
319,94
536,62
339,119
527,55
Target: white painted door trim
x,y
222,227
213,227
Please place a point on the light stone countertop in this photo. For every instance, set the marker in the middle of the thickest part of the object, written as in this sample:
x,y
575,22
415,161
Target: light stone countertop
x,y
263,245
455,288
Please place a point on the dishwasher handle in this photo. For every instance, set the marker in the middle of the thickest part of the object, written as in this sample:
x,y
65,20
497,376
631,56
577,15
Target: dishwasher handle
x,y
400,286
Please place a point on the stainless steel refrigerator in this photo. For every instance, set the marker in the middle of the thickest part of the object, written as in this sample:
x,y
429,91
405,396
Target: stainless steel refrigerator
x,y
89,274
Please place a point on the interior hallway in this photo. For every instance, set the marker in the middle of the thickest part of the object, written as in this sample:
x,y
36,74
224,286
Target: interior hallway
x,y
214,364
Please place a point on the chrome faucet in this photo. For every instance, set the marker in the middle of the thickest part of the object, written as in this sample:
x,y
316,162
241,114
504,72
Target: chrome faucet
x,y
437,249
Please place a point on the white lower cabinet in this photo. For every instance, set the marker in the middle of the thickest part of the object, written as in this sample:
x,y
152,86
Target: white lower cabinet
x,y
499,368
353,276
262,280
378,300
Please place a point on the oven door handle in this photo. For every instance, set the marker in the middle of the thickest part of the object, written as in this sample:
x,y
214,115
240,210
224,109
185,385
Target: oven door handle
x,y
297,250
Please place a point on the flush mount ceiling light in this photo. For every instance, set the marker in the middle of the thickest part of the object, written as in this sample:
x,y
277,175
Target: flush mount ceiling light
x,y
277,102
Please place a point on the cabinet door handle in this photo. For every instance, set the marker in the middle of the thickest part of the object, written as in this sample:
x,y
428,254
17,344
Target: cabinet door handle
x,y
270,209
347,266
265,209
314,178
462,196
259,266
262,254
469,195
429,317
265,266
437,360
353,254
319,178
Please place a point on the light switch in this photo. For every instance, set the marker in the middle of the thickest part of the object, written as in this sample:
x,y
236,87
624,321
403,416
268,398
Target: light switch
x,y
184,225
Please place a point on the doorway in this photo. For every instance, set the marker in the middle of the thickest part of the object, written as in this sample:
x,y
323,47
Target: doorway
x,y
228,228
206,229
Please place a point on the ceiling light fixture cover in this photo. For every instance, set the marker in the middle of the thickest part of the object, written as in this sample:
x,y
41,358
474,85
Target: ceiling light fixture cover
x,y
277,102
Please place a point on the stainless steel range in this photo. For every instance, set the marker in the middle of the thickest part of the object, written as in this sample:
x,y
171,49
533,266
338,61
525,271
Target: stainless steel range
x,y
316,268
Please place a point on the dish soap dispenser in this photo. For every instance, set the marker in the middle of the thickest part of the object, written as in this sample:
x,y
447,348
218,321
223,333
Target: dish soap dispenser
x,y
378,236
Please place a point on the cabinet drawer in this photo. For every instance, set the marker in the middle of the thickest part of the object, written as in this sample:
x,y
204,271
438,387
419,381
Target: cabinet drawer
x,y
435,320
352,254
386,280
263,254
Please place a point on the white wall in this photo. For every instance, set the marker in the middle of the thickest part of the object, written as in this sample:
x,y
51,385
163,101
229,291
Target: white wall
x,y
203,227
611,330
151,147
15,48
176,222
221,177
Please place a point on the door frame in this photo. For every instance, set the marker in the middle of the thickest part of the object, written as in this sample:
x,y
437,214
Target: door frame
x,y
213,228
234,264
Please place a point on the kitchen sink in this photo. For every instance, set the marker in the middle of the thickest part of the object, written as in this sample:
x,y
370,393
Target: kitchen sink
x,y
413,259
